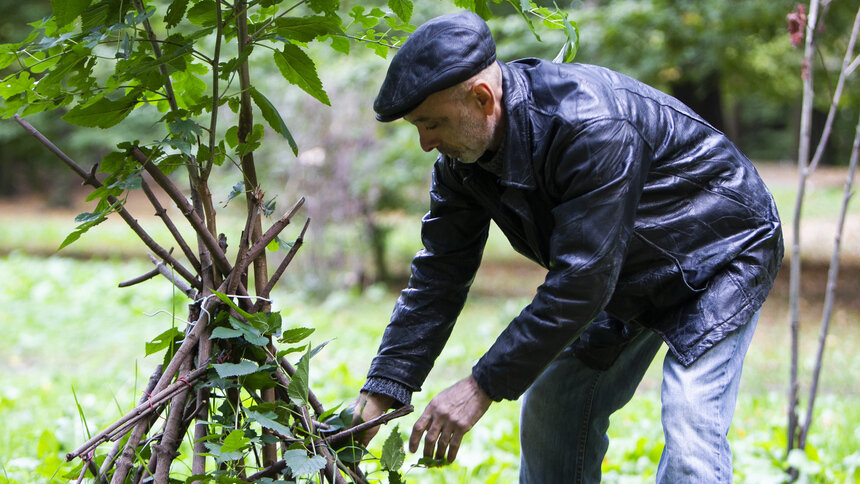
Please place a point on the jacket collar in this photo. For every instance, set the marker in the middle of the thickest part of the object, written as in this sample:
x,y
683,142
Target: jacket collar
x,y
515,154
516,149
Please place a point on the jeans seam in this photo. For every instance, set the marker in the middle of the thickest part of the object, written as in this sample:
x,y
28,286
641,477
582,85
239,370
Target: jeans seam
x,y
585,429
724,384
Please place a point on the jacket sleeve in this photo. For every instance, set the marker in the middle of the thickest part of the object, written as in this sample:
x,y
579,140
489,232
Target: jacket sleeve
x,y
596,174
454,232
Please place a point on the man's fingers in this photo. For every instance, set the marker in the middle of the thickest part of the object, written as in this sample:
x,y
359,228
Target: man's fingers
x,y
453,447
432,436
417,431
442,445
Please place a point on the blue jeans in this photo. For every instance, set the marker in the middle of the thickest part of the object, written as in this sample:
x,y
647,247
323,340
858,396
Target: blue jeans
x,y
565,413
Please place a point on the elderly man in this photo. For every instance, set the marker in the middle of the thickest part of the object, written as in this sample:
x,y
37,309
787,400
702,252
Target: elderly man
x,y
652,228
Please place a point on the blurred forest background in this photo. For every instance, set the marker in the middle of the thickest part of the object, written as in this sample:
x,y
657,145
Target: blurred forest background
x,y
66,324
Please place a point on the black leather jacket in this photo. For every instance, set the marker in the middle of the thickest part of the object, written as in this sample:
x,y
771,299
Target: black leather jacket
x,y
642,213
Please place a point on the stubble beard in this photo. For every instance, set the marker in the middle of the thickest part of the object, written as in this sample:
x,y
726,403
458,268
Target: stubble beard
x,y
477,135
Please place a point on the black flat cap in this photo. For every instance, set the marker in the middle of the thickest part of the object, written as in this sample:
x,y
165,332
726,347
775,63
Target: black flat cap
x,y
442,52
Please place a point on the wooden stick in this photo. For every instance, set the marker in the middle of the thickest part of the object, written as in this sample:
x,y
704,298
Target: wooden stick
x,y
91,180
138,412
191,215
283,265
168,274
171,227
142,278
385,418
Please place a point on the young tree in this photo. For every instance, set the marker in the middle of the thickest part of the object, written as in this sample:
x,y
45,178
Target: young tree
x,y
804,30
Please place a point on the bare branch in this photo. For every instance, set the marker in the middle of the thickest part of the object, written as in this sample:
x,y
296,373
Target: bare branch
x,y
137,280
167,273
259,246
90,179
196,222
283,265
142,410
840,84
382,419
830,295
807,69
177,236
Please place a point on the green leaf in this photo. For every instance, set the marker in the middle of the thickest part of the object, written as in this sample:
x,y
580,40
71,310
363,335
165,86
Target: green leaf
x,y
232,136
175,12
301,464
203,13
185,128
298,387
571,45
295,335
340,44
324,6
90,221
226,370
403,9
237,190
249,333
298,69
169,163
273,117
103,113
66,11
225,333
394,477
267,420
306,29
221,456
236,440
226,300
162,341
393,454
115,161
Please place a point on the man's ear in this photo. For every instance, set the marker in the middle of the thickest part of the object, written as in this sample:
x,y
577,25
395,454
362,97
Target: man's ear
x,y
484,96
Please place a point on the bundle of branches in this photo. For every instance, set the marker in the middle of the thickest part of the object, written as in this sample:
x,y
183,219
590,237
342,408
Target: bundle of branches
x,y
222,374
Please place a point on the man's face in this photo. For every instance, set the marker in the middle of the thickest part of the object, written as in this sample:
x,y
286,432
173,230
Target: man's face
x,y
452,124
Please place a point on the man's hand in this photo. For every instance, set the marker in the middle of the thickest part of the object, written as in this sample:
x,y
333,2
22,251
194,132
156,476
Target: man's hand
x,y
367,407
448,417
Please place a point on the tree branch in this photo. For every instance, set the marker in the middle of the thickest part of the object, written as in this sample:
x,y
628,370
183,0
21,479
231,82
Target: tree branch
x,y
256,250
382,419
283,265
168,274
803,172
830,295
138,412
171,227
840,84
193,217
91,180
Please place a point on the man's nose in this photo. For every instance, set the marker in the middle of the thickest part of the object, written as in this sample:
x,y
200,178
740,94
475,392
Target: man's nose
x,y
428,143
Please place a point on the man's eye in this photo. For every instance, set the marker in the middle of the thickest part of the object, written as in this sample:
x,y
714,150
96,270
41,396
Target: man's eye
x,y
430,126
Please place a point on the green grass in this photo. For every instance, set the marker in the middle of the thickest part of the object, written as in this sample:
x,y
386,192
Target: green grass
x,y
66,326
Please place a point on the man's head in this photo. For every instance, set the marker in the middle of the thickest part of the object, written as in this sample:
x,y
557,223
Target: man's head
x,y
445,81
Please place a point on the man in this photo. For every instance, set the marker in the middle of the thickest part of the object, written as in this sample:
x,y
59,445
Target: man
x,y
652,226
